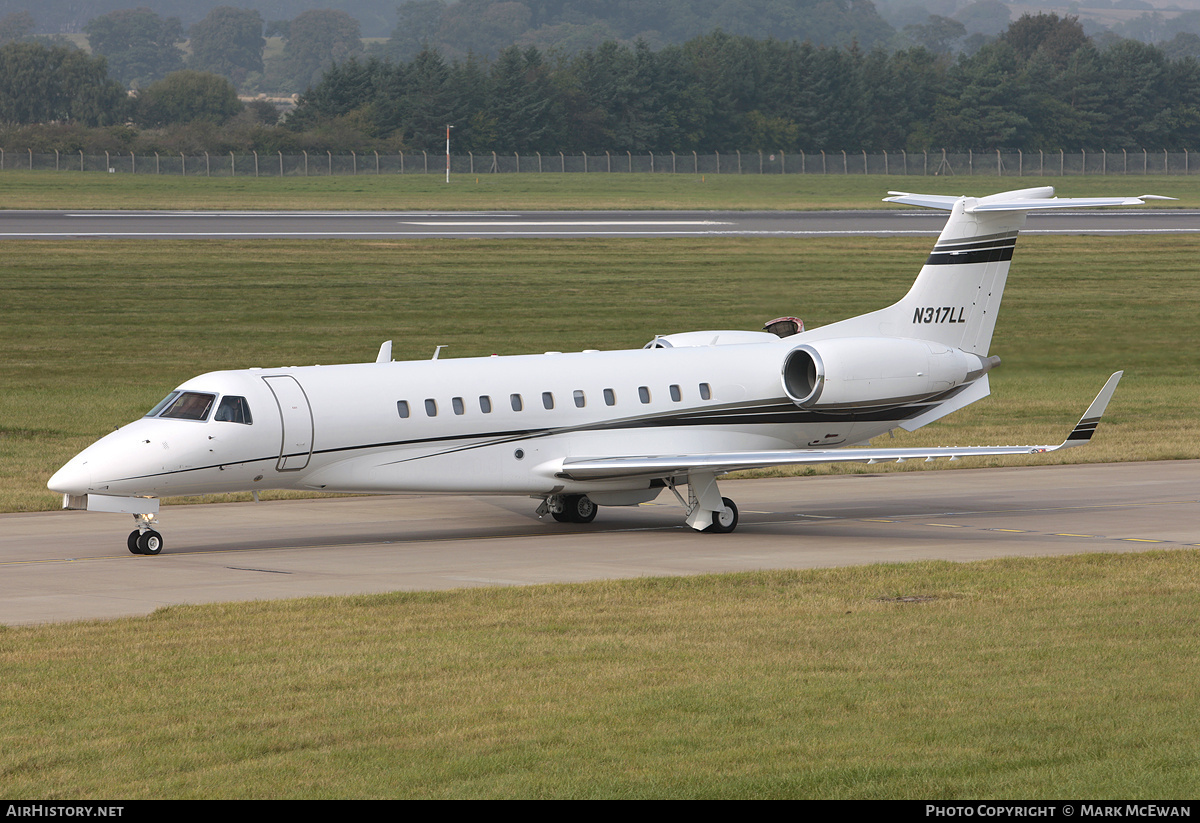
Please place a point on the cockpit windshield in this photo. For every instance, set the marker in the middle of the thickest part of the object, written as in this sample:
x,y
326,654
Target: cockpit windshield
x,y
188,405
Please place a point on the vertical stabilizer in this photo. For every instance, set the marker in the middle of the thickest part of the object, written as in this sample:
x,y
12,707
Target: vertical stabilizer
x,y
956,297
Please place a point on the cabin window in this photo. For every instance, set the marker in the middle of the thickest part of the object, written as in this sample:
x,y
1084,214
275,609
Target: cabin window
x,y
515,399
547,400
580,400
431,408
402,407
485,404
610,397
676,394
457,403
233,409
705,392
644,394
189,405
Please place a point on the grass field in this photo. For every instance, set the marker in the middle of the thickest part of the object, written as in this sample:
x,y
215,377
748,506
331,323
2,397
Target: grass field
x,y
95,334
1020,678
54,190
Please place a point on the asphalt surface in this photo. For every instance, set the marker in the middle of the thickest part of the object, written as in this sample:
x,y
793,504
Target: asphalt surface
x,y
301,224
59,566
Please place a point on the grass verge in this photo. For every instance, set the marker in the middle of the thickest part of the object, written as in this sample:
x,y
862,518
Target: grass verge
x,y
51,190
1019,678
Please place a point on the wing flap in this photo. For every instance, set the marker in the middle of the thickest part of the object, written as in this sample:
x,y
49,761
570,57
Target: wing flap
x,y
672,465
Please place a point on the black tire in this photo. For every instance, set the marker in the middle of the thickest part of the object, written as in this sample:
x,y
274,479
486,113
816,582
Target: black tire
x,y
582,509
132,542
150,542
724,521
563,516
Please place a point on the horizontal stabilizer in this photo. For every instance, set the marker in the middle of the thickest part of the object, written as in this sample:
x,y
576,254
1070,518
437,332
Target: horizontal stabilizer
x,y
681,464
1014,201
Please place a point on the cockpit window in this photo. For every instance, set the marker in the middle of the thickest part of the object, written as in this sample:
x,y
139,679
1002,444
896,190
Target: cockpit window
x,y
162,404
233,410
189,405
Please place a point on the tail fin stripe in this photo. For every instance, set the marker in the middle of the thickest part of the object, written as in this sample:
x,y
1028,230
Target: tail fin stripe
x,y
995,254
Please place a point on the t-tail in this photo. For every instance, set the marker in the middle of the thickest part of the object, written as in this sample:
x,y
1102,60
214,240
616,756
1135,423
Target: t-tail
x,y
956,297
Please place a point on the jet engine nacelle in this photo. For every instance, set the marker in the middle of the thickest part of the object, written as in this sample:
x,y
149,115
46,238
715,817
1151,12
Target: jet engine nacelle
x,y
871,371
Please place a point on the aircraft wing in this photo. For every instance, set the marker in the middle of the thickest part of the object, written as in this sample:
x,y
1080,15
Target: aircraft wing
x,y
719,462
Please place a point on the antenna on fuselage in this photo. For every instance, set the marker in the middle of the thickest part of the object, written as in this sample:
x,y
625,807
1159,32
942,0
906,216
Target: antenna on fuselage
x,y
385,352
437,351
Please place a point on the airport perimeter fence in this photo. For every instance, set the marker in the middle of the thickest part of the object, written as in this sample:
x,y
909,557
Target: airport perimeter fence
x,y
994,163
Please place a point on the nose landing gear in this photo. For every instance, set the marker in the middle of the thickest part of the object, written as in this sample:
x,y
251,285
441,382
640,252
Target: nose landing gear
x,y
143,539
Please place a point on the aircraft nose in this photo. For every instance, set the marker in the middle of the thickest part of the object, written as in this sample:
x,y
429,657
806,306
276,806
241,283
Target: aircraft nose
x,y
73,478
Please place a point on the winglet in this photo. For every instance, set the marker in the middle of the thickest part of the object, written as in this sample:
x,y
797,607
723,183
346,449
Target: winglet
x,y
1083,430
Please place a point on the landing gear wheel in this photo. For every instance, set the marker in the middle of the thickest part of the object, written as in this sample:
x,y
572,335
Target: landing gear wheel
x,y
581,508
725,520
150,542
562,517
132,542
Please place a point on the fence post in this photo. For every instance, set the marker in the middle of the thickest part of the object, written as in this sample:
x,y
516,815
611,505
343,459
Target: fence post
x,y
845,163
81,158
970,161
630,161
376,164
427,159
1125,161
255,162
904,160
824,169
182,164
1020,163
1145,161
864,151
999,173
330,155
739,154
1061,161
518,156
56,159
782,163
107,161
207,165
695,163
471,155
305,162
2,159
281,164
232,166
672,162
718,156
157,168
1041,163
402,162
803,161
31,158
562,162
1083,162
608,160
353,163
651,161
1185,162
1166,162
925,170
585,162
1104,161
760,166
885,161
539,154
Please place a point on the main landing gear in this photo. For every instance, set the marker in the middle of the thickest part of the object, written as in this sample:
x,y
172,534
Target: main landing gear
x,y
707,510
143,539
569,508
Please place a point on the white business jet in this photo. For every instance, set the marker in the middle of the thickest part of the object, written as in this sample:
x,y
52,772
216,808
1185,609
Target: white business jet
x,y
594,428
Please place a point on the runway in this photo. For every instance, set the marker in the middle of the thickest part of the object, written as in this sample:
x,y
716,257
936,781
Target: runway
x,y
58,566
368,225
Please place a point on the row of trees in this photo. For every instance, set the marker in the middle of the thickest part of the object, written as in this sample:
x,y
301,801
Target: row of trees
x,y
141,47
1042,84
